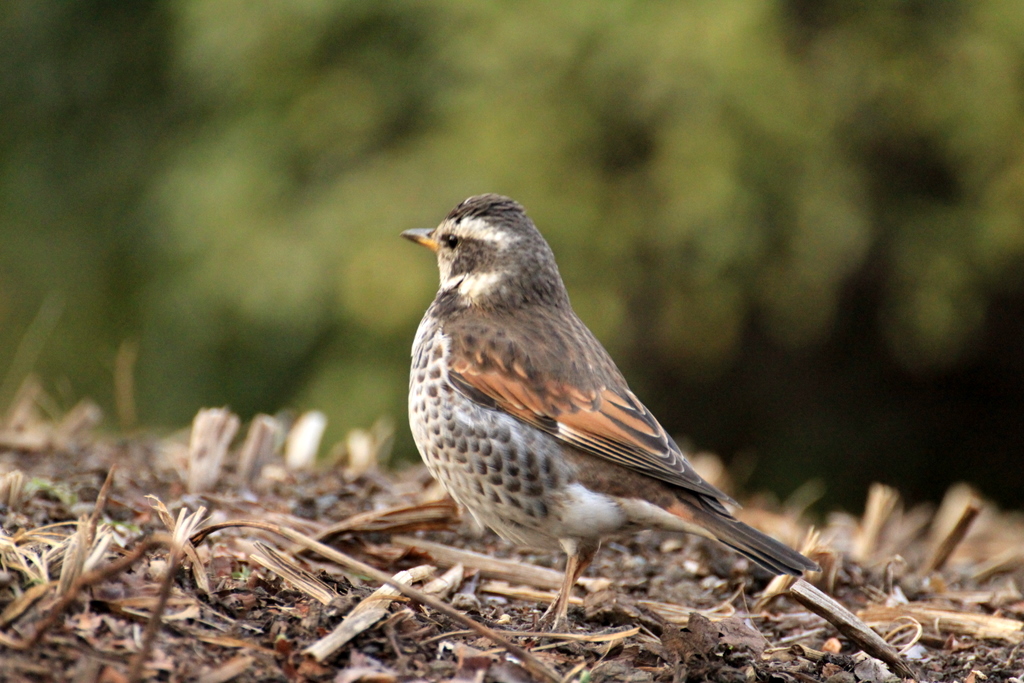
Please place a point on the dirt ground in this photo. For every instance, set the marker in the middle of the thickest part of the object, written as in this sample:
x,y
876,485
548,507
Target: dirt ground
x,y
101,583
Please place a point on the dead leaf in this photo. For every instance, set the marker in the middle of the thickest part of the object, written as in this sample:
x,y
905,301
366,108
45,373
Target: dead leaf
x,y
871,670
86,623
737,633
698,639
830,669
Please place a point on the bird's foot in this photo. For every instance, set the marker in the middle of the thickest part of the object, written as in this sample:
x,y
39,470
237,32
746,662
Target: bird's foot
x,y
554,619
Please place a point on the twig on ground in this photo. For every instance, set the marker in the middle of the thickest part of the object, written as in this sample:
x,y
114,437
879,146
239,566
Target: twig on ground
x,y
850,626
101,501
135,671
367,613
494,568
183,529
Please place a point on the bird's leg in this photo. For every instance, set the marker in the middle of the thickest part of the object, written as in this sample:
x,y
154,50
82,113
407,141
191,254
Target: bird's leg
x,y
579,558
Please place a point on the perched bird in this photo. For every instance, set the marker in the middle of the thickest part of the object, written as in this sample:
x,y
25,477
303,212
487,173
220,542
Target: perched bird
x,y
524,418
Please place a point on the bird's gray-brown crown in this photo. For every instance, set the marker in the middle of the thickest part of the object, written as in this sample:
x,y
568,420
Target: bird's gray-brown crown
x,y
491,255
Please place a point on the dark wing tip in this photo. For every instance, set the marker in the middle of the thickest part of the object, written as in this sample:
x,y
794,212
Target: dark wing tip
x,y
775,556
665,458
756,546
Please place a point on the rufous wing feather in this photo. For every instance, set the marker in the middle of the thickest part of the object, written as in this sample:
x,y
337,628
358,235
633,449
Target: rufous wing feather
x,y
608,424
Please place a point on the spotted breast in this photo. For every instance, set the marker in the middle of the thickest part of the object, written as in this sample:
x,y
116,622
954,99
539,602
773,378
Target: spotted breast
x,y
514,479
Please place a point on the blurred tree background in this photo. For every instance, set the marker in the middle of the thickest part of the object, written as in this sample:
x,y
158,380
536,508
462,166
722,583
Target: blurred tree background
x,y
797,225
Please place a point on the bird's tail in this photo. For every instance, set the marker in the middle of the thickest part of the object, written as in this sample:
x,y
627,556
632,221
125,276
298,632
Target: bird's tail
x,y
758,547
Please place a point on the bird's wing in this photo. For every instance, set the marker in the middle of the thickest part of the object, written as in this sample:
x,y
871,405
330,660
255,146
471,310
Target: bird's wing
x,y
585,403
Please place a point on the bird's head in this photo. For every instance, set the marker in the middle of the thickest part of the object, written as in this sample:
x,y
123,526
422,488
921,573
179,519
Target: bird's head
x,y
491,255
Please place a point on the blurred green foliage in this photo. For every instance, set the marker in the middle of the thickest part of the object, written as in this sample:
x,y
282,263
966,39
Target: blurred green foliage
x,y
799,225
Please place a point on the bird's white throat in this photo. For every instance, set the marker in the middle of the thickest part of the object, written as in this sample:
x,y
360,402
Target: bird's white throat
x,y
474,286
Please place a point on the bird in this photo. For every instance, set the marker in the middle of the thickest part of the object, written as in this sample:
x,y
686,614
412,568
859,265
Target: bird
x,y
523,417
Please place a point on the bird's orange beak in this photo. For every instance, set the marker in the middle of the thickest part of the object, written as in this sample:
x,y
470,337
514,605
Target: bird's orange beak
x,y
421,236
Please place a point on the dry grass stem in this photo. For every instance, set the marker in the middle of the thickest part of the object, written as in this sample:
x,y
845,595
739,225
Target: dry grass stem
x,y
12,489
945,621
431,516
519,591
23,603
680,614
811,547
75,550
674,614
364,450
446,583
303,442
959,510
882,502
1004,563
212,432
138,661
101,500
181,528
296,576
261,441
30,441
905,624
238,643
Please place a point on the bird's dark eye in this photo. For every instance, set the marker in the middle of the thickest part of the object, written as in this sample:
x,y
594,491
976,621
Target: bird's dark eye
x,y
450,241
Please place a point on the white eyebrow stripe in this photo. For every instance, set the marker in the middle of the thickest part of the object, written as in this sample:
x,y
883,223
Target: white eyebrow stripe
x,y
480,229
